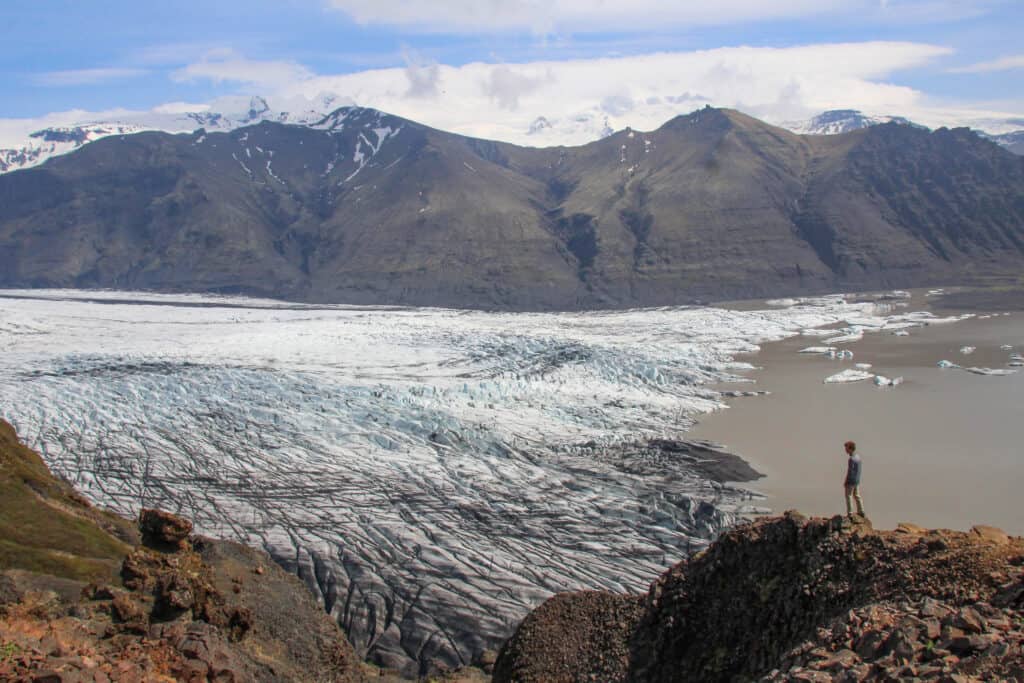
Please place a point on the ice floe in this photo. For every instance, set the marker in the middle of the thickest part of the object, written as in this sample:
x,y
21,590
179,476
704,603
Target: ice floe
x,y
849,375
850,334
976,370
967,350
882,381
990,371
863,366
821,350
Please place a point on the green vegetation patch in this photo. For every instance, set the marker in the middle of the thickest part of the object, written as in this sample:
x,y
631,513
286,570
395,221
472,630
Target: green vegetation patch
x,y
44,525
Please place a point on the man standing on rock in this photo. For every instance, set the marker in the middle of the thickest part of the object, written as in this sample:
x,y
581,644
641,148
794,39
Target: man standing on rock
x,y
852,482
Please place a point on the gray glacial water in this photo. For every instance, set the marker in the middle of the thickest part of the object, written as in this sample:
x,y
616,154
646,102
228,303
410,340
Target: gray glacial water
x,y
431,474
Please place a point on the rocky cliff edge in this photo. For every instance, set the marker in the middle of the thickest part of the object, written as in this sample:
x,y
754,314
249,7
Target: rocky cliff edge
x,y
796,599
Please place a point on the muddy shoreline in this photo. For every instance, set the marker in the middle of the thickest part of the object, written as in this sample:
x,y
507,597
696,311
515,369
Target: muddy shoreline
x,y
943,448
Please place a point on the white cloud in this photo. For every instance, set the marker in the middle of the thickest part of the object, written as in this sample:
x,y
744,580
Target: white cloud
x,y
1001,64
180,108
227,66
500,101
546,16
505,85
424,76
581,16
86,76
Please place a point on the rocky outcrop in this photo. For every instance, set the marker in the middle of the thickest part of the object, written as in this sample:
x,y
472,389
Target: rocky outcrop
x,y
180,608
925,639
793,598
164,530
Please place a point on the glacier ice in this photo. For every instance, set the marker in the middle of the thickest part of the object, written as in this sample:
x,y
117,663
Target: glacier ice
x,y
430,474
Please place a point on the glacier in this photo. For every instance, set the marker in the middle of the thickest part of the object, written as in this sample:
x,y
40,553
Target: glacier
x,y
431,474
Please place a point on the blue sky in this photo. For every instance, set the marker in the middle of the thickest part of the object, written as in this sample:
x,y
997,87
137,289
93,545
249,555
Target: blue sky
x,y
61,55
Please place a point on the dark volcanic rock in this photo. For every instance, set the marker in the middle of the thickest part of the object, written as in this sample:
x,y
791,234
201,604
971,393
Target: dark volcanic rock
x,y
382,210
543,650
163,530
797,599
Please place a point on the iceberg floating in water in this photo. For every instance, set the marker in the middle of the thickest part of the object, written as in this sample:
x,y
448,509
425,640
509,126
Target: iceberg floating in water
x,y
968,350
848,376
882,381
976,370
901,333
844,354
850,334
1006,347
990,371
823,350
863,366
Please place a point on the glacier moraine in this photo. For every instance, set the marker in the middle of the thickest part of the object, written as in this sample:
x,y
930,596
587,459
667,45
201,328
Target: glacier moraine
x,y
431,474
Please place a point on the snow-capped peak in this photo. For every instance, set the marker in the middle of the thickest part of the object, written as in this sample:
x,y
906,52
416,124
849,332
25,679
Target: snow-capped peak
x,y
837,121
40,145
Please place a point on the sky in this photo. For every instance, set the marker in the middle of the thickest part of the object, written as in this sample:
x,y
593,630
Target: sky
x,y
491,67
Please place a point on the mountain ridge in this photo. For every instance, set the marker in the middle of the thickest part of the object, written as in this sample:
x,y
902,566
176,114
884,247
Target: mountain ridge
x,y
368,208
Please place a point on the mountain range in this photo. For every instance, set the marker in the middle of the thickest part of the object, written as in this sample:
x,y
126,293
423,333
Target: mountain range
x,y
363,207
39,145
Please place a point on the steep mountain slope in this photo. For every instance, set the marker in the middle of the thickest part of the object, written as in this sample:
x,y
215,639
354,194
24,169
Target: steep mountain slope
x,y
369,208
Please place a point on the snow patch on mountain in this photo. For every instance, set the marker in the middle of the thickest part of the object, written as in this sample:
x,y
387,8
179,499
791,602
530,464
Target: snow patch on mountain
x,y
1013,141
39,145
579,129
838,121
